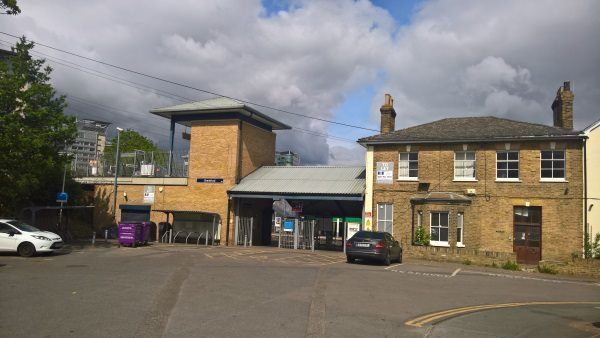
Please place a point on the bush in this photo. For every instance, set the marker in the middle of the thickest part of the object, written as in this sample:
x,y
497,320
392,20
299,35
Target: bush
x,y
467,262
510,265
596,247
422,237
543,268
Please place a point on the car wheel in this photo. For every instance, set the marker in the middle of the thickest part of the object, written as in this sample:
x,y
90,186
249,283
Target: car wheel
x,y
349,259
400,258
26,249
387,260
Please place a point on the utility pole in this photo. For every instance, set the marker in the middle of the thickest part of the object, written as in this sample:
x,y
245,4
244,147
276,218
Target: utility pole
x,y
118,155
60,212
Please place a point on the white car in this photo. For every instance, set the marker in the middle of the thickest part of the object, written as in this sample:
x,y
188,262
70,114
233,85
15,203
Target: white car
x,y
27,240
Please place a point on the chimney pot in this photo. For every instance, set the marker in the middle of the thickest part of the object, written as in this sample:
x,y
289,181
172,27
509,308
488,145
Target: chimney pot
x,y
388,115
562,107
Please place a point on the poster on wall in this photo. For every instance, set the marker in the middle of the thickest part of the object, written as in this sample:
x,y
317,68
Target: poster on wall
x,y
385,172
149,194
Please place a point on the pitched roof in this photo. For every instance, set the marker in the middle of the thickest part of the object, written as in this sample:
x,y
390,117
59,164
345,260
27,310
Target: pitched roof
x,y
217,105
464,129
304,180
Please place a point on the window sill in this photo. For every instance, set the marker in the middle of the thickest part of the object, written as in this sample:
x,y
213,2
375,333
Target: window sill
x,y
440,244
460,245
513,180
554,180
465,180
407,179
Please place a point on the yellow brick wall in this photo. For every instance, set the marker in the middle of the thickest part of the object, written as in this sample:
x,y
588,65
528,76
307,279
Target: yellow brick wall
x,y
214,153
489,218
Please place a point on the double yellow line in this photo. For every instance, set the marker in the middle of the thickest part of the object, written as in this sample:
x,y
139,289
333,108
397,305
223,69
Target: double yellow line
x,y
438,316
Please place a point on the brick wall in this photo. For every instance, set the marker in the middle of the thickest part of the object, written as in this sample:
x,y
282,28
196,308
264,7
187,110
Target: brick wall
x,y
489,218
218,149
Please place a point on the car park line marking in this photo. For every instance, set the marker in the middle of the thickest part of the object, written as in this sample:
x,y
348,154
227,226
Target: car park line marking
x,y
393,266
431,318
558,281
455,272
209,256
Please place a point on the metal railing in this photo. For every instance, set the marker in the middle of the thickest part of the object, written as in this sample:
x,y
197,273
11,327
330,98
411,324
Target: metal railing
x,y
134,164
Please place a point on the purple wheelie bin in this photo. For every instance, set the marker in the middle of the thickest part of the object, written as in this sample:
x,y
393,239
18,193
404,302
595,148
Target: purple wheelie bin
x,y
130,233
146,227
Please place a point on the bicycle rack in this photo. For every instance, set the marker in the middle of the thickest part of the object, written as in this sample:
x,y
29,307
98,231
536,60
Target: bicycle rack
x,y
176,234
189,234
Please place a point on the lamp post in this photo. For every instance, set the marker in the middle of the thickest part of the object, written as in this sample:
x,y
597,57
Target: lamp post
x,y
117,157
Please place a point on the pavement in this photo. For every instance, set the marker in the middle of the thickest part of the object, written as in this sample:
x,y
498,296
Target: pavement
x,y
187,291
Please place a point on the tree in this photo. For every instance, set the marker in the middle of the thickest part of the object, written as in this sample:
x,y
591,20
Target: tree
x,y
130,140
33,132
9,7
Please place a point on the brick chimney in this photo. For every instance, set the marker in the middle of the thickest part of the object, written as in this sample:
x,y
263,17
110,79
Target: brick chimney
x,y
562,107
388,115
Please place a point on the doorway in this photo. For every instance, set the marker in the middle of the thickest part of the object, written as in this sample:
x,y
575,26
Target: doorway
x,y
527,239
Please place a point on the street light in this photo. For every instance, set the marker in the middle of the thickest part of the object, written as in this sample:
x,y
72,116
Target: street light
x,y
117,157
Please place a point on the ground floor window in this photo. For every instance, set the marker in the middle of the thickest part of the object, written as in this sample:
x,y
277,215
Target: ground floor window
x,y
385,217
439,228
459,229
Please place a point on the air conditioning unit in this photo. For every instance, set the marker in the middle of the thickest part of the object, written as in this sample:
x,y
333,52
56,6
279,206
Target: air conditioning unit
x,y
471,192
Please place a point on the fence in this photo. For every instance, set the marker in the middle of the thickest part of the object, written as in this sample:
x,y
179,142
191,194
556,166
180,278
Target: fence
x,y
134,164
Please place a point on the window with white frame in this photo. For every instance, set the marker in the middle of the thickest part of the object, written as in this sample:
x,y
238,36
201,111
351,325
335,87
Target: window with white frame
x,y
439,228
553,165
385,217
464,165
408,165
459,229
507,165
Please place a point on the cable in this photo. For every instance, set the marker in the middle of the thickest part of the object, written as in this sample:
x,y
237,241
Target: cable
x,y
191,87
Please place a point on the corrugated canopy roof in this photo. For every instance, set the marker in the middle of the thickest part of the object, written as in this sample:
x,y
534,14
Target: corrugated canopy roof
x,y
304,180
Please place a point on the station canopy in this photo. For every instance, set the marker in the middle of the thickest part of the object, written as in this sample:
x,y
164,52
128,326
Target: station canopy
x,y
303,182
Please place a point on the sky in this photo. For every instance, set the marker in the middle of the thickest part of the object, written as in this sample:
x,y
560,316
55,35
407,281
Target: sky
x,y
330,59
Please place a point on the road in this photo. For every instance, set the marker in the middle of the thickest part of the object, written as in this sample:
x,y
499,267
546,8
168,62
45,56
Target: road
x,y
184,291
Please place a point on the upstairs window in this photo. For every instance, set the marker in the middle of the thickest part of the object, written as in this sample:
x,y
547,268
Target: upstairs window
x,y
464,165
553,165
507,165
408,166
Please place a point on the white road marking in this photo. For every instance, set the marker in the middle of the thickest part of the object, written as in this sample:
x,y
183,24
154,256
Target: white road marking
x,y
207,255
393,266
455,272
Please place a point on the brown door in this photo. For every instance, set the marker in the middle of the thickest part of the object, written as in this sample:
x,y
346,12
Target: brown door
x,y
527,239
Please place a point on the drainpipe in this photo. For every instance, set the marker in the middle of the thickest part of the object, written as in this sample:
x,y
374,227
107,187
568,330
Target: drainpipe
x,y
228,220
412,224
585,198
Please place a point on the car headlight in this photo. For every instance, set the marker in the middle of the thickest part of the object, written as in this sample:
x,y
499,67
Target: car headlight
x,y
43,238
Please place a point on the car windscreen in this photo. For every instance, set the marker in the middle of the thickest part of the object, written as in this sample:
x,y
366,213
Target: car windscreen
x,y
369,235
23,226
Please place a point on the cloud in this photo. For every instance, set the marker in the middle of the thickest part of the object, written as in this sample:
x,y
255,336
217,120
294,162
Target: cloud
x,y
480,58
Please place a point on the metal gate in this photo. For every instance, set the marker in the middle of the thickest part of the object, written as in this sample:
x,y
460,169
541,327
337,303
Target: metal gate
x,y
243,230
300,235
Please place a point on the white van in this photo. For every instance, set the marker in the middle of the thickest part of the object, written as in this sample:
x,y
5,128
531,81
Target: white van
x,y
27,240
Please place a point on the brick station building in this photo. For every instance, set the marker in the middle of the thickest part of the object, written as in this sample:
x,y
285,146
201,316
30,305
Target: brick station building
x,y
481,183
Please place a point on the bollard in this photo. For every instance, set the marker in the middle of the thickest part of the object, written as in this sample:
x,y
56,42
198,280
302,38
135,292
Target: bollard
x,y
106,236
93,238
206,238
170,236
245,240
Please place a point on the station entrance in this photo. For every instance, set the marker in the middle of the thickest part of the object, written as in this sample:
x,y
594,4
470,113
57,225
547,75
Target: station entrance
x,y
304,224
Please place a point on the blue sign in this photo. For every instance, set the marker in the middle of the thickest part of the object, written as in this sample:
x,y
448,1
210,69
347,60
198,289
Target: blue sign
x,y
62,197
288,225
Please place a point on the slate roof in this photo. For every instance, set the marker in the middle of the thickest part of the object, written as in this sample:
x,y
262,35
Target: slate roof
x,y
465,129
305,180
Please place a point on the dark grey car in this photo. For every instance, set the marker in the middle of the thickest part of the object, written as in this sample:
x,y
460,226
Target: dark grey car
x,y
375,245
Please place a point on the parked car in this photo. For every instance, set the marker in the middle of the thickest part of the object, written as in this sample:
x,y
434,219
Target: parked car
x,y
375,245
27,240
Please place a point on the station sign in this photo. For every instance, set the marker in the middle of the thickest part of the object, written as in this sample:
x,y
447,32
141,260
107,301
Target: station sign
x,y
288,225
209,180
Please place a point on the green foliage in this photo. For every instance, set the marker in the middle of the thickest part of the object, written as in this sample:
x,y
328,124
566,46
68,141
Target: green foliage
x,y
9,7
130,140
543,268
467,262
422,237
595,250
33,131
510,265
